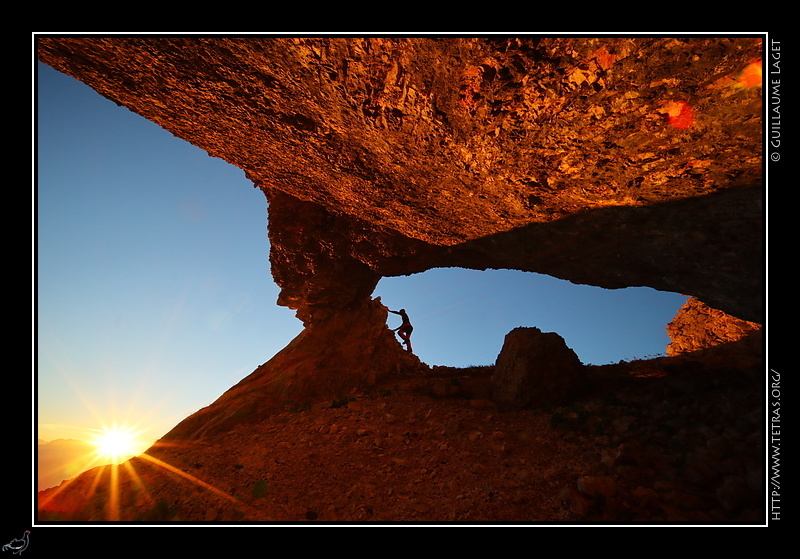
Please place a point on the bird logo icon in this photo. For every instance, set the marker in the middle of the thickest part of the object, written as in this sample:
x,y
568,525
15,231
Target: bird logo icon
x,y
18,545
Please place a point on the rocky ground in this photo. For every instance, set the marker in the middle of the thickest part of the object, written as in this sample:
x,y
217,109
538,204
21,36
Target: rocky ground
x,y
649,441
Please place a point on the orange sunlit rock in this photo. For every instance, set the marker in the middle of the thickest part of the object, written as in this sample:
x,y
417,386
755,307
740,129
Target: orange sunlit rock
x,y
748,78
679,113
697,326
604,58
751,75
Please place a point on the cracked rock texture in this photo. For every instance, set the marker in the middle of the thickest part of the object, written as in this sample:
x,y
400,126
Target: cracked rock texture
x,y
613,161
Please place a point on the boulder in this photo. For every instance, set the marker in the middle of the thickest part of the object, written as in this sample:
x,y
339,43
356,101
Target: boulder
x,y
534,368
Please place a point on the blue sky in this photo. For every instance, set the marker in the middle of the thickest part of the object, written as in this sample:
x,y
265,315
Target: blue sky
x,y
154,293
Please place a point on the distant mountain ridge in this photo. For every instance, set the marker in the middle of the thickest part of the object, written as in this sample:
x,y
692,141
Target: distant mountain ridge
x,y
62,459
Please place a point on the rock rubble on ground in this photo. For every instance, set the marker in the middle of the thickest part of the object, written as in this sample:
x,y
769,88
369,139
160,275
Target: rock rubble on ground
x,y
434,448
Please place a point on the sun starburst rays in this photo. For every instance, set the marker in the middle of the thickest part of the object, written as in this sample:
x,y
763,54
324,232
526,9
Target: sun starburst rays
x,y
117,442
126,491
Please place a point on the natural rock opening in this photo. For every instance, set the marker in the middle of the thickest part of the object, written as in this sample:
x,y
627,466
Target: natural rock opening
x,y
607,161
461,316
610,161
580,158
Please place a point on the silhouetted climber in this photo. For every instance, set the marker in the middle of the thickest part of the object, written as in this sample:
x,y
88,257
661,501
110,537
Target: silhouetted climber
x,y
405,329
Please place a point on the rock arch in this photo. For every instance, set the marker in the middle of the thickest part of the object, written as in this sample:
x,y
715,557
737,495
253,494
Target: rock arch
x,y
611,161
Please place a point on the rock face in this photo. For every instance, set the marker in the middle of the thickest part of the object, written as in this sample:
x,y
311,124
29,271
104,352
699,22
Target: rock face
x,y
608,161
697,326
534,368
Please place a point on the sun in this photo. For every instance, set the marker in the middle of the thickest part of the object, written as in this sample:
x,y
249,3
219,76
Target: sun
x,y
116,443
